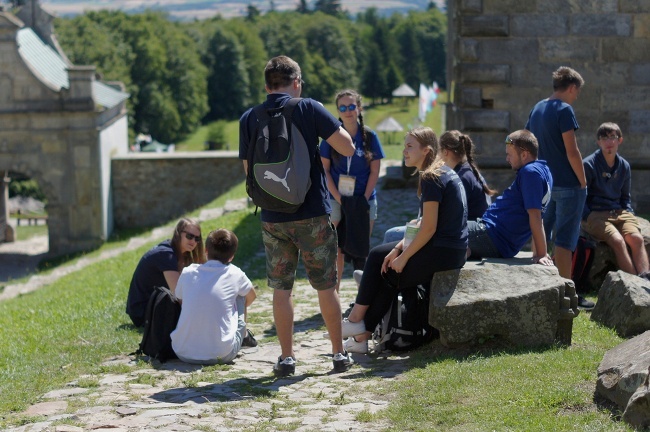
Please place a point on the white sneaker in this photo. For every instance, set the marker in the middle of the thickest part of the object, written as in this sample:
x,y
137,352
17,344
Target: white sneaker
x,y
352,329
357,275
351,345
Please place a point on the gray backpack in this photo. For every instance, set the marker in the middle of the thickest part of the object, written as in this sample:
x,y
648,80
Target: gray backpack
x,y
278,161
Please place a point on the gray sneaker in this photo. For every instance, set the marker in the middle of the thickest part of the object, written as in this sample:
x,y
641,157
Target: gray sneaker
x,y
285,367
342,361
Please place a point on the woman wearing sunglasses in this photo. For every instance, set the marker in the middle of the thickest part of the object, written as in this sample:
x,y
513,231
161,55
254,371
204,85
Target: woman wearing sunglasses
x,y
162,266
351,182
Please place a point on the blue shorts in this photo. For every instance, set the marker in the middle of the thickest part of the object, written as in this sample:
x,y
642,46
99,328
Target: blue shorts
x,y
563,215
335,216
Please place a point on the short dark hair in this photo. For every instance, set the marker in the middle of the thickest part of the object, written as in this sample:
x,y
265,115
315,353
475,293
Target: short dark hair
x,y
525,140
607,128
564,77
221,245
280,72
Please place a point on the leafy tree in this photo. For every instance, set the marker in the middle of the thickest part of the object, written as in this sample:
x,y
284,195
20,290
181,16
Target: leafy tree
x,y
255,57
228,86
329,7
302,7
410,59
252,13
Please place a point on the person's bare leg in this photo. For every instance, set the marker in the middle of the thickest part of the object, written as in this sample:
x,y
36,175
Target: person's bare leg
x,y
639,254
283,317
340,264
623,260
330,308
563,261
358,313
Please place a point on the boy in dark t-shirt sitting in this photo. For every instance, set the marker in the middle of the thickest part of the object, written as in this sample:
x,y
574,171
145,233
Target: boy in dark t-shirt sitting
x,y
608,215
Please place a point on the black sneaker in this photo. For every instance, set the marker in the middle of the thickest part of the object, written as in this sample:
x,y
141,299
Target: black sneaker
x,y
585,304
249,340
285,367
342,361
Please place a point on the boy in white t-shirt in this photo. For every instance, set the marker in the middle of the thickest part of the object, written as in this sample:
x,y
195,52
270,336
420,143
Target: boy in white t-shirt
x,y
214,298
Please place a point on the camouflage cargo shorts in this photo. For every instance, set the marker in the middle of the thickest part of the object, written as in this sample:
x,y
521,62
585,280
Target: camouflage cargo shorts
x,y
314,238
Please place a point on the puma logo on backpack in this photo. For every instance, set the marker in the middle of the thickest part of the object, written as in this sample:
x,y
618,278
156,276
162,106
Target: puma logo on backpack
x,y
279,164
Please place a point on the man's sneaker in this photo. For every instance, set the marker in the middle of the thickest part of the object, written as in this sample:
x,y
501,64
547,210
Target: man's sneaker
x,y
342,361
352,346
585,304
357,275
285,367
249,340
352,329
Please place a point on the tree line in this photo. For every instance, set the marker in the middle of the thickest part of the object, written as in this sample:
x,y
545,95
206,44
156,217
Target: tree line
x,y
183,74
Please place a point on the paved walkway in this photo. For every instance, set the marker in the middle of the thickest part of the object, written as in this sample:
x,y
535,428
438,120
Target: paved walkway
x,y
245,396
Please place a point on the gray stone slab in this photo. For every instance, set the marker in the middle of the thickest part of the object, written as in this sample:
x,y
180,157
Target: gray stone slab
x,y
569,49
484,26
484,73
535,25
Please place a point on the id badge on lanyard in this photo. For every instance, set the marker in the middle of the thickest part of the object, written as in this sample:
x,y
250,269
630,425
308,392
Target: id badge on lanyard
x,y
347,182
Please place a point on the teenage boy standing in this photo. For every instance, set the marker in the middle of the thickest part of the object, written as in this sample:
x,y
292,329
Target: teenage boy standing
x,y
554,123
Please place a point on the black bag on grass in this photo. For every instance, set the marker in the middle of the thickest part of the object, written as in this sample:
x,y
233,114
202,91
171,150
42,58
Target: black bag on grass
x,y
161,318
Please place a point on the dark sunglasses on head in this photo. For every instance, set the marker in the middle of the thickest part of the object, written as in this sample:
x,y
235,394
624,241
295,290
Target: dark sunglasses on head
x,y
509,141
350,107
196,238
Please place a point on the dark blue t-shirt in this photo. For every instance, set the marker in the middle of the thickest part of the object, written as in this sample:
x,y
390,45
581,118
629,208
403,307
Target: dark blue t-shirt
x,y
477,201
507,219
359,165
314,122
448,191
607,188
548,120
149,274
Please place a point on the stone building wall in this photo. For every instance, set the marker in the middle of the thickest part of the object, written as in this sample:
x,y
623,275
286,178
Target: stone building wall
x,y
501,54
154,188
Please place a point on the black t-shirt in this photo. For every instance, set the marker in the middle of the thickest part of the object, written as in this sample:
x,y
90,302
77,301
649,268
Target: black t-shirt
x,y
149,274
448,191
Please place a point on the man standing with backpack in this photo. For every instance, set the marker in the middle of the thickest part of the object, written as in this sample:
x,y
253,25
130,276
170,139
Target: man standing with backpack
x,y
307,230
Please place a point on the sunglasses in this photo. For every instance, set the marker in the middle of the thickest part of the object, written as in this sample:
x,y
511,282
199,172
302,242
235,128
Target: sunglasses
x,y
196,238
350,107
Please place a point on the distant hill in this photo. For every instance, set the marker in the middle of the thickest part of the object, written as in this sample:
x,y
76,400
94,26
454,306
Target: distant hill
x,y
202,9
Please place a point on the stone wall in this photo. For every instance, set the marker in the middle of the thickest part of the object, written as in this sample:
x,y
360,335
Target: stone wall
x,y
501,54
154,188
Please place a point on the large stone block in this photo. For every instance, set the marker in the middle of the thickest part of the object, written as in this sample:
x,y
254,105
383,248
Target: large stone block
x,y
577,6
601,25
485,120
484,26
470,97
468,50
502,51
623,304
569,49
642,25
484,73
471,6
508,7
640,121
622,373
608,75
640,74
527,305
617,49
539,25
634,6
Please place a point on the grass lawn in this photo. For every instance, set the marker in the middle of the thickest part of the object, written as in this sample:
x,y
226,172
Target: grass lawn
x,y
65,330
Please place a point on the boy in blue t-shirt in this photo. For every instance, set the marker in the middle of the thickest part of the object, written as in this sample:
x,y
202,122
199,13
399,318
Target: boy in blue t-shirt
x,y
511,219
608,215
